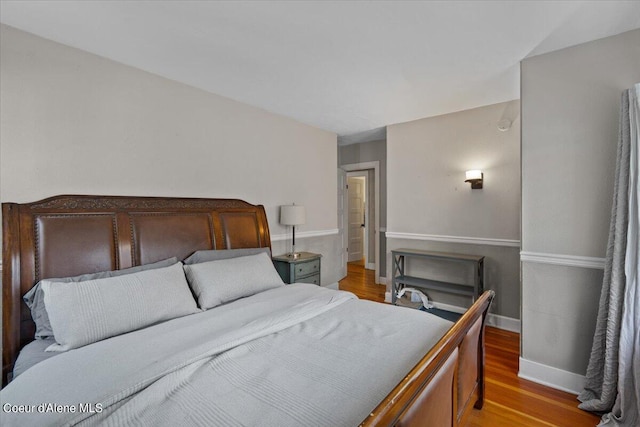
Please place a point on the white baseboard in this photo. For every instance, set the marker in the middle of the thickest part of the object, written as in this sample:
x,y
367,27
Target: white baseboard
x,y
382,280
370,266
333,286
504,322
495,320
551,377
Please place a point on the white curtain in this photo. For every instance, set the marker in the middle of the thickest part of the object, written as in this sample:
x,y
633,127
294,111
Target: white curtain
x,y
613,375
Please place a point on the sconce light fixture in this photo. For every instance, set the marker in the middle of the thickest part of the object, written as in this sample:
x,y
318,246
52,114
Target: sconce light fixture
x,y
475,177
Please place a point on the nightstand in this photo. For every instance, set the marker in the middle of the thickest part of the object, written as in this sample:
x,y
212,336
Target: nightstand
x,y
304,269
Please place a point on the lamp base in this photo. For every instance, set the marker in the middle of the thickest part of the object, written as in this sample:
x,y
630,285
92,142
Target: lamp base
x,y
293,254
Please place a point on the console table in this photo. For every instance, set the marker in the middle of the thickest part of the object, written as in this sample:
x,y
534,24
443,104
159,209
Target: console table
x,y
400,279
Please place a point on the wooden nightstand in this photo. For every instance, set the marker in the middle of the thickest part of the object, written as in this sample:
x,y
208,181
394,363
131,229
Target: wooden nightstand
x,y
304,269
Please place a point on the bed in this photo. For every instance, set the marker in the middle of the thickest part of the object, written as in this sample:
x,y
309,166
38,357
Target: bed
x,y
284,355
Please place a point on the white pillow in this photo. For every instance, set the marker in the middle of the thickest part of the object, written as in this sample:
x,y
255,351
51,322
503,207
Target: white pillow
x,y
218,282
85,312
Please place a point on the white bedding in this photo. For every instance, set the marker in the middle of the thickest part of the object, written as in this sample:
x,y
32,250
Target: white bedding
x,y
290,356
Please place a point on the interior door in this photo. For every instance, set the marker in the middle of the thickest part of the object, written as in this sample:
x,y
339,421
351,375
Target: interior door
x,y
343,231
356,192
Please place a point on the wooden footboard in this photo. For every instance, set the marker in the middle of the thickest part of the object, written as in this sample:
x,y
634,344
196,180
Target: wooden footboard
x,y
447,383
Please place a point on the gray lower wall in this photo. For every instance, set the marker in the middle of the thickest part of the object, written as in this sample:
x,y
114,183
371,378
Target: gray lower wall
x,y
501,272
383,256
559,316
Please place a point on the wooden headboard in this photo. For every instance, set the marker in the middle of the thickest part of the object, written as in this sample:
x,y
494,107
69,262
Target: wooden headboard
x,y
69,235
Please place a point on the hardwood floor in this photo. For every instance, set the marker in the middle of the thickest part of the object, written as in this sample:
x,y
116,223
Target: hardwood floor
x,y
509,400
512,401
362,283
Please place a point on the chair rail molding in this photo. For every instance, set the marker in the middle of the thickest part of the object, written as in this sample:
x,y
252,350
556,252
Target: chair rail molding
x,y
566,260
453,239
304,234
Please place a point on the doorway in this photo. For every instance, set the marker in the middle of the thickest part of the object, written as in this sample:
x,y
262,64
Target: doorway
x,y
371,219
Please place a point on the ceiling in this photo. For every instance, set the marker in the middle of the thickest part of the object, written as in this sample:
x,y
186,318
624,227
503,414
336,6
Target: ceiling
x,y
350,67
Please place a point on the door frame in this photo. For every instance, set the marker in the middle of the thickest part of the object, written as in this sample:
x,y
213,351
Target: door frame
x,y
367,214
343,203
375,165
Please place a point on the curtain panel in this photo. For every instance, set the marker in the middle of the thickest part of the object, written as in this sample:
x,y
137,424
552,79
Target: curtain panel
x,y
613,375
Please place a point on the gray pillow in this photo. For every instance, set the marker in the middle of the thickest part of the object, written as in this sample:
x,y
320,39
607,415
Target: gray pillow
x,y
218,282
215,255
102,308
35,297
32,354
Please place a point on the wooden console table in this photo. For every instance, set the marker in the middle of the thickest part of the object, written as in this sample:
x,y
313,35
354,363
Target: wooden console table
x,y
400,279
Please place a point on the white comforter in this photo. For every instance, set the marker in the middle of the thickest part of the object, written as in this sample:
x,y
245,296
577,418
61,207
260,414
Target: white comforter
x,y
292,356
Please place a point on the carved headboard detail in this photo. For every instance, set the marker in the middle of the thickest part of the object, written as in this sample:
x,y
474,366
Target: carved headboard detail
x,y
70,235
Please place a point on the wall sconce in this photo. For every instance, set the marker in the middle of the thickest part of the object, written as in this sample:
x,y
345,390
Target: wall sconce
x,y
475,177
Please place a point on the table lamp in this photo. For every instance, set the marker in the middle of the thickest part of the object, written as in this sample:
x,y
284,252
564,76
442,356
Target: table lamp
x,y
292,215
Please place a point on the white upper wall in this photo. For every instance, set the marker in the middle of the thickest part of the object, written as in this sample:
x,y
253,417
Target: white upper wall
x,y
570,109
73,122
426,164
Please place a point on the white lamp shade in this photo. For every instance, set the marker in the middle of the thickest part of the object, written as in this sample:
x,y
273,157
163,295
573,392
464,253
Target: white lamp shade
x,y
292,215
473,174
